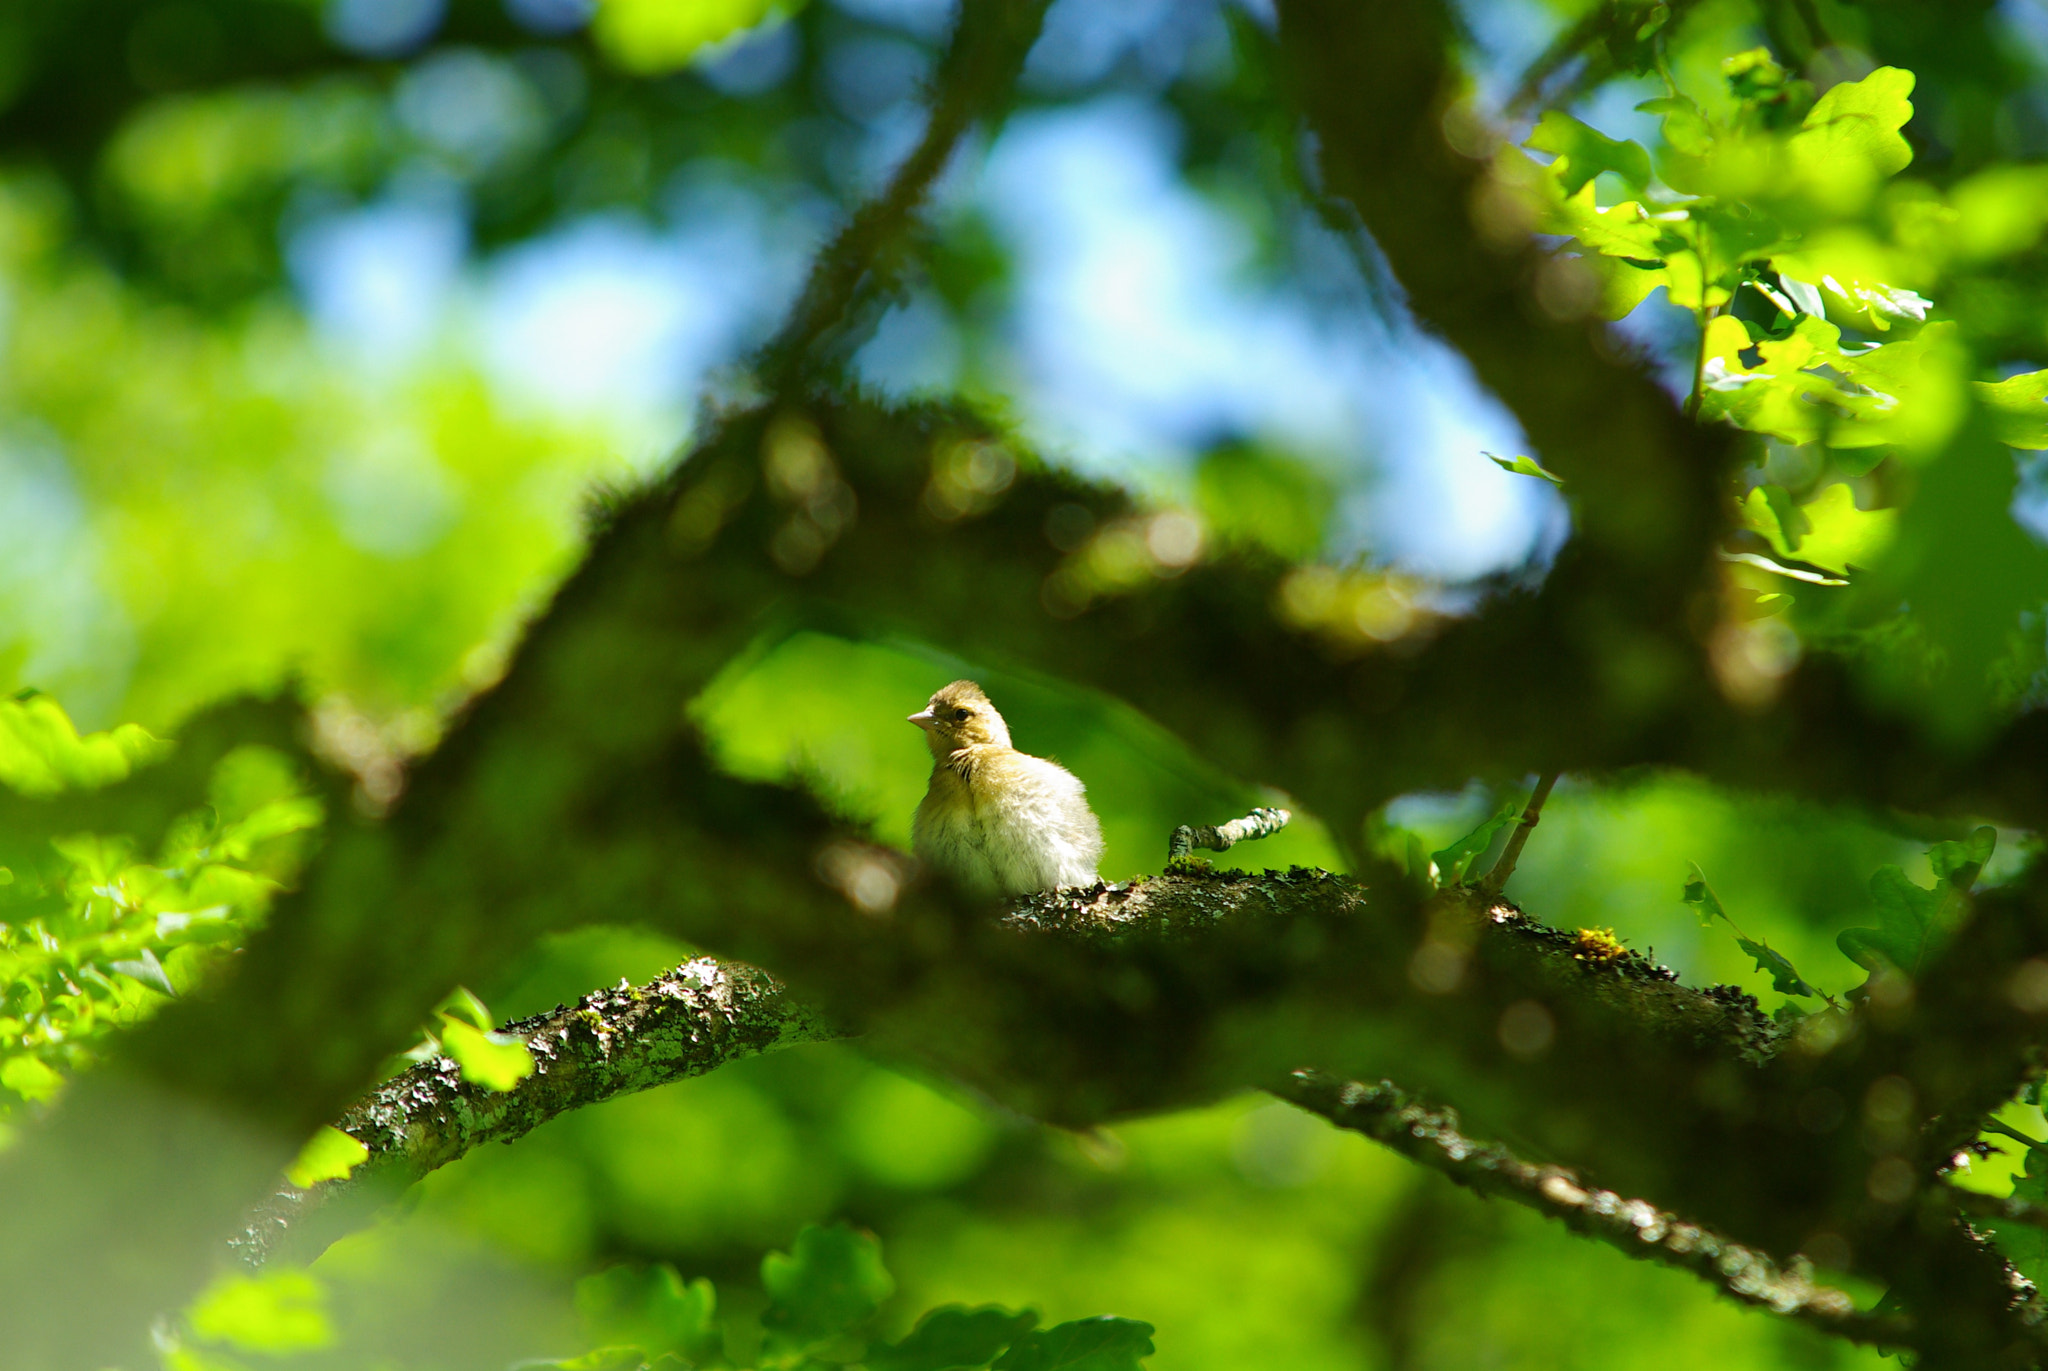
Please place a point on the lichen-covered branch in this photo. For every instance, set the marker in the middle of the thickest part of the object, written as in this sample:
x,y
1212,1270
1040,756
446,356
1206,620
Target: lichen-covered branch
x,y
1433,1137
685,1023
1260,823
710,1012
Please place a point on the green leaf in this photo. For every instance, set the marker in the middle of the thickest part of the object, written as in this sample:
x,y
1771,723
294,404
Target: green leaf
x,y
496,1061
1793,525
1524,466
650,1308
1913,920
328,1155
1785,978
41,753
2026,1245
1967,572
146,969
29,1078
1700,895
2018,408
1585,152
98,858
1684,127
954,1336
620,1358
1835,534
1105,1343
1854,128
1451,862
833,1280
1960,863
463,1006
276,1312
654,37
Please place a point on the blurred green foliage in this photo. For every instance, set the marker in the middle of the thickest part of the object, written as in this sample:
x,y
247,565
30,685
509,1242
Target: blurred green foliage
x,y
226,503
95,935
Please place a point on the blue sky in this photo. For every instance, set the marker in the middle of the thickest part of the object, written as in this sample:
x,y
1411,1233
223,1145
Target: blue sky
x,y
1139,329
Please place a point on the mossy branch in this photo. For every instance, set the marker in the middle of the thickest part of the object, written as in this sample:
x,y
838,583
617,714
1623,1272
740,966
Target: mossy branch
x,y
684,1023
1433,1137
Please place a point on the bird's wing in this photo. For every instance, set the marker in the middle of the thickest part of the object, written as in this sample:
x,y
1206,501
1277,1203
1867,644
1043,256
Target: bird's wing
x,y
1044,834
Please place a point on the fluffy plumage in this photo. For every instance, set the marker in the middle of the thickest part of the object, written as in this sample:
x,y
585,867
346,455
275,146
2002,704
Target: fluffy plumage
x,y
996,820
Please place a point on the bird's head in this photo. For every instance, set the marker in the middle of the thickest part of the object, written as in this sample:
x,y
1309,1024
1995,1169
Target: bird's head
x,y
960,716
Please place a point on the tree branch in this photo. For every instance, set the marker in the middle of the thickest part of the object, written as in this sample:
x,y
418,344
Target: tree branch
x,y
685,1023
973,83
1260,823
1433,1137
1497,878
1077,1005
709,1012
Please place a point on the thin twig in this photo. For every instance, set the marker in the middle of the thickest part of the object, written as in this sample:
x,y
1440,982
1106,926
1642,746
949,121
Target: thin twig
x,y
1994,1126
1699,364
1579,39
1260,823
1433,1137
1497,878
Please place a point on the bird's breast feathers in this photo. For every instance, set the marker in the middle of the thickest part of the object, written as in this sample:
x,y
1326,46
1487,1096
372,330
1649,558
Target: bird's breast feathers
x,y
1004,822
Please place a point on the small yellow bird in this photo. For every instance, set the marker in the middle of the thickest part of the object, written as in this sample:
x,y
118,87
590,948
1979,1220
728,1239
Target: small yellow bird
x,y
996,820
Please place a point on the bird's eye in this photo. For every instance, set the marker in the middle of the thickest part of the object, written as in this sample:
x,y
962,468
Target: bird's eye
x,y
960,715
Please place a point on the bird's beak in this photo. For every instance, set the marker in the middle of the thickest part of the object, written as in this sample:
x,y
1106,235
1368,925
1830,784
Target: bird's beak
x,y
923,718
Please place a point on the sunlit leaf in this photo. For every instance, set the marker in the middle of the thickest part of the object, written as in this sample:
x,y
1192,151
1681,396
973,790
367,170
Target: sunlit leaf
x,y
2018,408
1852,133
649,37
41,752
1586,152
496,1061
277,1312
29,1078
328,1155
1524,466
1832,531
146,969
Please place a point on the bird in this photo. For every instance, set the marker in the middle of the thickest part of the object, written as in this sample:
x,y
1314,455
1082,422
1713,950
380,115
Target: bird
x,y
997,821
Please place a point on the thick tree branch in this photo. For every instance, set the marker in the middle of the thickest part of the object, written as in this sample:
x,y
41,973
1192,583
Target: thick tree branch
x,y
324,959
685,1023
709,1012
577,790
